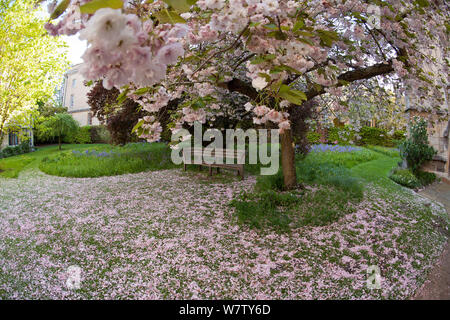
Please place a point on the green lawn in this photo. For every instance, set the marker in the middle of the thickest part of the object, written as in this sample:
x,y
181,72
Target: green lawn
x,y
337,182
108,161
90,160
11,167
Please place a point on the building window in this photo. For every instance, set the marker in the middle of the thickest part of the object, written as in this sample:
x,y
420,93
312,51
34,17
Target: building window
x,y
72,100
13,139
74,82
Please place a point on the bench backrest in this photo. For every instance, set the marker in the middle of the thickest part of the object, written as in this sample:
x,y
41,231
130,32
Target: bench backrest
x,y
224,154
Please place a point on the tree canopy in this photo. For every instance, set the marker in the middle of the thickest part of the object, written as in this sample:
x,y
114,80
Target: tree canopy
x,y
58,126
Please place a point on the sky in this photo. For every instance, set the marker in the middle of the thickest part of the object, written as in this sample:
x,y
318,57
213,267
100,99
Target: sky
x,y
76,46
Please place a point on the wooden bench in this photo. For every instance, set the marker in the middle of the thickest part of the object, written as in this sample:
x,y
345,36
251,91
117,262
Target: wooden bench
x,y
238,157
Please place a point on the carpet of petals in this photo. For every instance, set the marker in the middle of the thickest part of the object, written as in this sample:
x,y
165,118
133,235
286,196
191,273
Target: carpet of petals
x,y
170,235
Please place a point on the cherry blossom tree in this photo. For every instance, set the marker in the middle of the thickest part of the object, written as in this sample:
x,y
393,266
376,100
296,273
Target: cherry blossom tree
x,y
363,103
279,54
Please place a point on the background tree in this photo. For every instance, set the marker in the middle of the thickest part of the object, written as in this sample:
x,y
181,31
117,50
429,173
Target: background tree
x,y
118,118
44,111
31,62
416,150
58,126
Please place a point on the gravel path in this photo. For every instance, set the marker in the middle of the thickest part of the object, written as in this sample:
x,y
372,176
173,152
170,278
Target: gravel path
x,y
437,286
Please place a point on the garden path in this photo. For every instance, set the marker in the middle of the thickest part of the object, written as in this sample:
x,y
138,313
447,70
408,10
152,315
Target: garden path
x,y
437,287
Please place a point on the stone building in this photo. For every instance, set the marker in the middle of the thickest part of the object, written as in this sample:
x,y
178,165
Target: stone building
x,y
74,97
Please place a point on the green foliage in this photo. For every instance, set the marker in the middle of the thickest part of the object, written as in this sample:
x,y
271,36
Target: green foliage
x,y
94,5
82,136
374,136
43,133
342,135
416,150
342,159
293,96
108,161
313,137
368,136
100,134
425,177
12,166
329,174
407,178
60,125
31,61
399,135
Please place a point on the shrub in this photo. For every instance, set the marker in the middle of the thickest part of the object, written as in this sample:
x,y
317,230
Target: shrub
x,y
399,135
405,178
341,135
374,136
23,147
416,150
10,151
425,178
313,137
118,119
80,136
368,136
83,135
99,134
390,152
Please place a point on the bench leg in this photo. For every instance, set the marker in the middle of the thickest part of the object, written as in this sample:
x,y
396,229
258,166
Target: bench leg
x,y
185,167
241,171
210,171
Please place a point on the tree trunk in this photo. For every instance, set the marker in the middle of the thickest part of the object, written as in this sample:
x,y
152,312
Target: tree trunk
x,y
59,142
288,160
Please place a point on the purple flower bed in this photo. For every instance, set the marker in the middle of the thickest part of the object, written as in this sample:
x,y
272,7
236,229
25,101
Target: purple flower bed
x,y
333,148
103,154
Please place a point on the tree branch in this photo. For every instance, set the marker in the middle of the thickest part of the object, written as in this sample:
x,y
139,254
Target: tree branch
x,y
355,75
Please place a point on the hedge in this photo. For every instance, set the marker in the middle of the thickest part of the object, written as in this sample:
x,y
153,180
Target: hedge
x,y
88,135
368,136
